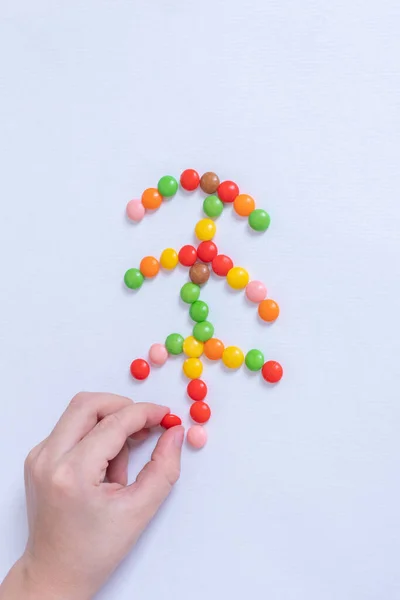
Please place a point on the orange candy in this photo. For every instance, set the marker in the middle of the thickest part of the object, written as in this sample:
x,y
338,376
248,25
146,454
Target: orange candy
x,y
213,349
244,205
268,310
149,267
151,198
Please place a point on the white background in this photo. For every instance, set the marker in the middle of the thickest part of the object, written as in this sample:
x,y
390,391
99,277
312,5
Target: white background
x,y
296,495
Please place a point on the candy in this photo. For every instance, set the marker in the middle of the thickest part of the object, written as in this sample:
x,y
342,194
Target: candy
x,y
207,251
149,267
232,357
133,279
190,292
214,349
140,369
205,229
170,420
243,205
256,291
200,412
254,360
187,255
268,310
221,265
272,371
193,368
167,186
174,343
238,278
169,258
135,210
203,331
213,206
190,180
199,273
192,347
259,220
158,354
197,390
197,436
227,191
209,182
151,199
199,311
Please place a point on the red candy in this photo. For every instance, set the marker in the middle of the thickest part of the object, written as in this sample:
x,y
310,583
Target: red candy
x,y
187,256
272,371
140,369
190,180
170,421
222,265
207,251
200,412
197,390
227,191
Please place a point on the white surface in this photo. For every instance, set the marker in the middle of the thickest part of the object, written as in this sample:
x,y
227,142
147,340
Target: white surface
x,y
296,495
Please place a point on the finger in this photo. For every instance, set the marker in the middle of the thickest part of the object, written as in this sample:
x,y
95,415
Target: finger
x,y
82,414
117,471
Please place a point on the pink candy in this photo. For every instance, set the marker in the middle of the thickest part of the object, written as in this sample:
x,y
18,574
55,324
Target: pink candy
x,y
256,291
135,210
197,436
158,354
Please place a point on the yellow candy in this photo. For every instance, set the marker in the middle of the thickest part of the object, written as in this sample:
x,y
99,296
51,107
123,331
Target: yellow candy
x,y
192,347
238,278
205,230
169,258
193,368
232,357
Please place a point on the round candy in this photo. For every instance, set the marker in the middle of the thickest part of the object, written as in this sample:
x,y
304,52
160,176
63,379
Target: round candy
x,y
192,347
207,251
205,229
193,368
174,343
232,357
199,311
190,180
199,273
169,258
256,291
200,412
254,360
259,220
167,186
203,331
151,199
158,354
187,255
170,421
213,206
238,278
197,390
214,349
133,279
244,205
227,191
221,265
197,436
268,310
149,267
209,182
140,369
190,292
272,371
135,210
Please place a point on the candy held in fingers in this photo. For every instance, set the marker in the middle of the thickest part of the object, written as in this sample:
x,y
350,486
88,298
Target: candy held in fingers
x,y
193,368
197,390
190,180
135,210
272,371
170,420
158,354
197,436
268,310
256,291
140,369
200,412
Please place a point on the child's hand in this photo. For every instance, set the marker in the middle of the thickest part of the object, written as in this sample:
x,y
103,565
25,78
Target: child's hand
x,y
83,518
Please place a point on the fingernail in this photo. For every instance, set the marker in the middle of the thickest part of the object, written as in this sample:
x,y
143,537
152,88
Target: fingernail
x,y
179,434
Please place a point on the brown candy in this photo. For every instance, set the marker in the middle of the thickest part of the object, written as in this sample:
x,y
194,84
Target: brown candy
x,y
199,273
209,182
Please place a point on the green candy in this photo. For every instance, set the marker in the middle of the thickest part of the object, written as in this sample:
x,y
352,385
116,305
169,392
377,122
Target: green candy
x,y
259,220
133,279
174,343
254,360
213,206
190,292
203,331
199,311
167,186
